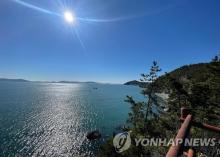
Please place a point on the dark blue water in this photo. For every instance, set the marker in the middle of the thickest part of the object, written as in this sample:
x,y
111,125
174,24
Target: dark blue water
x,y
52,119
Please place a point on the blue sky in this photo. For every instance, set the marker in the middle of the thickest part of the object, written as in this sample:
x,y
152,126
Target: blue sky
x,y
36,45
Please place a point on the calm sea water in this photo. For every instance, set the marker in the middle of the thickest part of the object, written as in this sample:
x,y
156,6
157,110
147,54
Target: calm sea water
x,y
52,119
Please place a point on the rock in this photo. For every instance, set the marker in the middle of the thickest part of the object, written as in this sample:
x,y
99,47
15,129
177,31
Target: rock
x,y
94,135
166,109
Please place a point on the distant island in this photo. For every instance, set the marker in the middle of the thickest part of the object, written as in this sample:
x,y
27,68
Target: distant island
x,y
23,80
13,80
136,83
73,82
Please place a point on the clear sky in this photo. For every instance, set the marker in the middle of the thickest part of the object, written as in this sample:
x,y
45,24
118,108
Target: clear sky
x,y
111,40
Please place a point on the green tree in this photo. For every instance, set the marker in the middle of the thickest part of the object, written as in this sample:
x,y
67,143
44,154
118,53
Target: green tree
x,y
142,113
194,86
216,59
142,118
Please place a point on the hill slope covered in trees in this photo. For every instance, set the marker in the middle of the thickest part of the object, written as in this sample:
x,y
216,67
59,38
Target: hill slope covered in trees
x,y
194,86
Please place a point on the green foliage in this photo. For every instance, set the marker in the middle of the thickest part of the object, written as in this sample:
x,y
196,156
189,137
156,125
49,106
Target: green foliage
x,y
194,86
216,59
142,118
142,113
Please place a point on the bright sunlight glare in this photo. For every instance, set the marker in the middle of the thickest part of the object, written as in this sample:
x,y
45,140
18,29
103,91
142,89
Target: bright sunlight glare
x,y
69,17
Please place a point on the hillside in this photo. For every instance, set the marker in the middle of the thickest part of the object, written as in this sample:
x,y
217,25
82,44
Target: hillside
x,y
194,86
188,74
201,72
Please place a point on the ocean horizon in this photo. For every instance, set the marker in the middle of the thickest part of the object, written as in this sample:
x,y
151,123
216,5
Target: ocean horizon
x,y
53,119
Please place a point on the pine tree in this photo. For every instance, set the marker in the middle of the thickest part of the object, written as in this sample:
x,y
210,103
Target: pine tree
x,y
143,112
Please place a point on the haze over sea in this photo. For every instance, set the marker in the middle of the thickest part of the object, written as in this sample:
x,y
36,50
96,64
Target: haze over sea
x,y
52,119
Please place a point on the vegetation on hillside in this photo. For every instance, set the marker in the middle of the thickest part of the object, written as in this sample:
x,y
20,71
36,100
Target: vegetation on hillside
x,y
194,86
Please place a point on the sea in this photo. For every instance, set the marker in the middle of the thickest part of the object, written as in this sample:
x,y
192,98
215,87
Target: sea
x,y
53,119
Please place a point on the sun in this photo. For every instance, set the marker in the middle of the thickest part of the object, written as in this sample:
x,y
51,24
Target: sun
x,y
69,17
